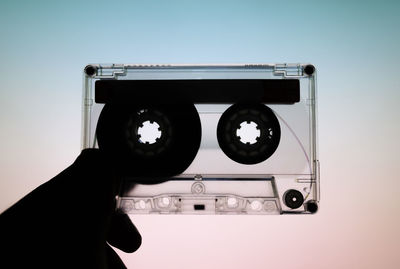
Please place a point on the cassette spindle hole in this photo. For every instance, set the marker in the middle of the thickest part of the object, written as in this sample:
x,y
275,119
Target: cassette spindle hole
x,y
149,132
248,132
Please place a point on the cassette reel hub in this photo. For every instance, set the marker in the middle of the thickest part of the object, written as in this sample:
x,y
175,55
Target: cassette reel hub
x,y
248,146
148,132
248,132
119,132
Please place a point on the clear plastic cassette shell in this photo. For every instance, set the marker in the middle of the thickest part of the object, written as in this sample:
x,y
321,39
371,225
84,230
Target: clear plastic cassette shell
x,y
214,183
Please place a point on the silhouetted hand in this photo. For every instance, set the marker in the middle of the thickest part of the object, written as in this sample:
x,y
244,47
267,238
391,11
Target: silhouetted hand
x,y
67,222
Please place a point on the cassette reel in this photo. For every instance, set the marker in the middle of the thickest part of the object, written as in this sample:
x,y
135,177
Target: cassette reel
x,y
207,139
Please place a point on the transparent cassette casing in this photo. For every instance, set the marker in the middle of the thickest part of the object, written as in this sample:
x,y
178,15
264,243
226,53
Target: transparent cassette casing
x,y
286,182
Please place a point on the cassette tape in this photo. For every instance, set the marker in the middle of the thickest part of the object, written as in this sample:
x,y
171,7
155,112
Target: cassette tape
x,y
206,139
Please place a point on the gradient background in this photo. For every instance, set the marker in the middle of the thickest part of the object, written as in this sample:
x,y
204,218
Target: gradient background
x,y
44,46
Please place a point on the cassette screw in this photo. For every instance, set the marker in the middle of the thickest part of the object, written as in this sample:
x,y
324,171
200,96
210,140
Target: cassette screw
x,y
309,69
312,207
198,188
90,70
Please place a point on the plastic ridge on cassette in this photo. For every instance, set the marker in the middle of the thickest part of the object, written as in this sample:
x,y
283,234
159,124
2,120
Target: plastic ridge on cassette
x,y
206,139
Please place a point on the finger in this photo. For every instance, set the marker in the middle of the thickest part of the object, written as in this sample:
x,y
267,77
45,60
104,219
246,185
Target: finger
x,y
113,260
92,177
123,234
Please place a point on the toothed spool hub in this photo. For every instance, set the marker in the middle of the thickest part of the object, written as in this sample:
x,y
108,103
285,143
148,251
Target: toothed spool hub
x,y
170,155
247,153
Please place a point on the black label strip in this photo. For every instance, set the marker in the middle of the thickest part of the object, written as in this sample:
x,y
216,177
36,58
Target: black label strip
x,y
213,91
